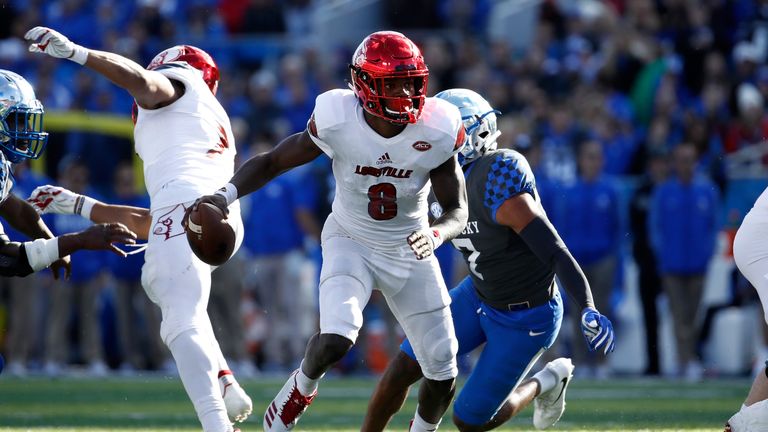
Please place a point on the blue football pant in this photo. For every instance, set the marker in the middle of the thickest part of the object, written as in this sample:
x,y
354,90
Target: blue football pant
x,y
514,341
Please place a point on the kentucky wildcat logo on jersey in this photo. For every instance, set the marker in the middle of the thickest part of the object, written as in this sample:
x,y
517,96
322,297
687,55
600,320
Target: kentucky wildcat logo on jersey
x,y
383,172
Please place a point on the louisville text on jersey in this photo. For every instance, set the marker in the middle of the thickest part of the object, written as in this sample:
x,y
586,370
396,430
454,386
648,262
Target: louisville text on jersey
x,y
383,172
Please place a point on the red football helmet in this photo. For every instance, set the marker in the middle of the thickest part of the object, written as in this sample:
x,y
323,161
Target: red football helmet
x,y
385,56
194,57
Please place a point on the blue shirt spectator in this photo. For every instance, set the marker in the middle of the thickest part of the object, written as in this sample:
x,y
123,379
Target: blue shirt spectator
x,y
588,210
269,214
683,218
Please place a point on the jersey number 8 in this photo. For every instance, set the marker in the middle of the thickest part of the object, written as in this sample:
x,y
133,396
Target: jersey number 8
x,y
382,203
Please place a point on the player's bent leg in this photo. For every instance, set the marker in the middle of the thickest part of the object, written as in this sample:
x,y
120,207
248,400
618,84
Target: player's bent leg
x,y
436,350
391,392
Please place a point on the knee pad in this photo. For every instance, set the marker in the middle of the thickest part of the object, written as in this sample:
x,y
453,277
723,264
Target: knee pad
x,y
441,347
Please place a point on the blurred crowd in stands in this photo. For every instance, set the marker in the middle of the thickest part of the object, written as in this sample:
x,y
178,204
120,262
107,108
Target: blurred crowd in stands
x,y
644,121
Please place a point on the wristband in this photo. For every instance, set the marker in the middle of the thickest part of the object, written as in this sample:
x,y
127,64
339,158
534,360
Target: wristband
x,y
79,55
229,192
436,236
84,205
42,252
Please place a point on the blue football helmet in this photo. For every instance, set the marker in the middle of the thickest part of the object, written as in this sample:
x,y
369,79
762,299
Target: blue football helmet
x,y
21,119
479,122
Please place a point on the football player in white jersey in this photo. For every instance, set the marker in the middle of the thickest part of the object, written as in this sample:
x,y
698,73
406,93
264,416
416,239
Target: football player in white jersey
x,y
750,251
22,137
184,138
388,141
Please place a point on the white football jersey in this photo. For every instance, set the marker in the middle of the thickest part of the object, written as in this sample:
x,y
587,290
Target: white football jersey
x,y
187,147
382,183
761,204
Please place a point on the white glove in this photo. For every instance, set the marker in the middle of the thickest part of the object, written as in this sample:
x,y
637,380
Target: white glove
x,y
424,242
55,44
58,200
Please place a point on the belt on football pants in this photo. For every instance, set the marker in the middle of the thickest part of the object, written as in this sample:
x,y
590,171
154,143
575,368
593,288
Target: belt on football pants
x,y
541,297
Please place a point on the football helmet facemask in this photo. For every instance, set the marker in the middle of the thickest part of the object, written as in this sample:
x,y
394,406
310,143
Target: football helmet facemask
x,y
194,57
479,122
6,177
21,119
383,58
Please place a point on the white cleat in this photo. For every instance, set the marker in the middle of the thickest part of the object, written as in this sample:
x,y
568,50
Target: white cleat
x,y
287,407
237,402
549,406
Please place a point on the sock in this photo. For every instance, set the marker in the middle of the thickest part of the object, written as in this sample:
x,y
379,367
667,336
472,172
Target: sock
x,y
305,384
421,425
546,380
226,378
197,371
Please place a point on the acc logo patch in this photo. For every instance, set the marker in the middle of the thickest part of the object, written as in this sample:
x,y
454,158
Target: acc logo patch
x,y
435,209
422,145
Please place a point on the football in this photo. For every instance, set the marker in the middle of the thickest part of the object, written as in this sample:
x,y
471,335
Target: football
x,y
209,234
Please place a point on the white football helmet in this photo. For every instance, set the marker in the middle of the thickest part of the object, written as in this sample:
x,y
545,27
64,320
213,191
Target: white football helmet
x,y
21,119
479,122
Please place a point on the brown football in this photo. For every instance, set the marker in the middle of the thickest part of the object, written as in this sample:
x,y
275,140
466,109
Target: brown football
x,y
209,234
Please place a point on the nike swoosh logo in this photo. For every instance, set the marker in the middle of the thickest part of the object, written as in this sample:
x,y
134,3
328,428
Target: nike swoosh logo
x,y
532,333
564,381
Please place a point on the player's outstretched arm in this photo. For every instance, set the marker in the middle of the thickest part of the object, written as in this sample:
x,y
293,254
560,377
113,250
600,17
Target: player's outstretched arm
x,y
22,259
150,89
450,191
298,149
526,217
23,217
58,200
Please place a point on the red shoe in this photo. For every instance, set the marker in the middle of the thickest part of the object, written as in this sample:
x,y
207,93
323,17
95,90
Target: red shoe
x,y
287,407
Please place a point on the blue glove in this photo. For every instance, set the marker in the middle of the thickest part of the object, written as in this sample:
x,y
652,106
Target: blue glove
x,y
597,330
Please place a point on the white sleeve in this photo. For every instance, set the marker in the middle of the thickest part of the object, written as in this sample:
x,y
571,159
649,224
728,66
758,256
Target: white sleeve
x,y
314,133
330,109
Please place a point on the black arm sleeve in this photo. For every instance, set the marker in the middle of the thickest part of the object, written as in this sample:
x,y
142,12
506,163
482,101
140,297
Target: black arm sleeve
x,y
15,265
547,245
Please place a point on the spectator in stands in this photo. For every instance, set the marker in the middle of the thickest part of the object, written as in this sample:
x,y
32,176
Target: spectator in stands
x,y
81,290
649,281
589,223
683,228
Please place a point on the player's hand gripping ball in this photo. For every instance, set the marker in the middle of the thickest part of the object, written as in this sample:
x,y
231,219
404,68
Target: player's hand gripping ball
x,y
209,234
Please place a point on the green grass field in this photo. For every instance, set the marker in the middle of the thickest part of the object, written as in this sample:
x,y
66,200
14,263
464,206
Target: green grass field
x,y
155,403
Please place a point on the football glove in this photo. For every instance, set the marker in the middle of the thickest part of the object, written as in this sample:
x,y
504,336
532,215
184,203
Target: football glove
x,y
597,330
424,242
55,44
58,200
